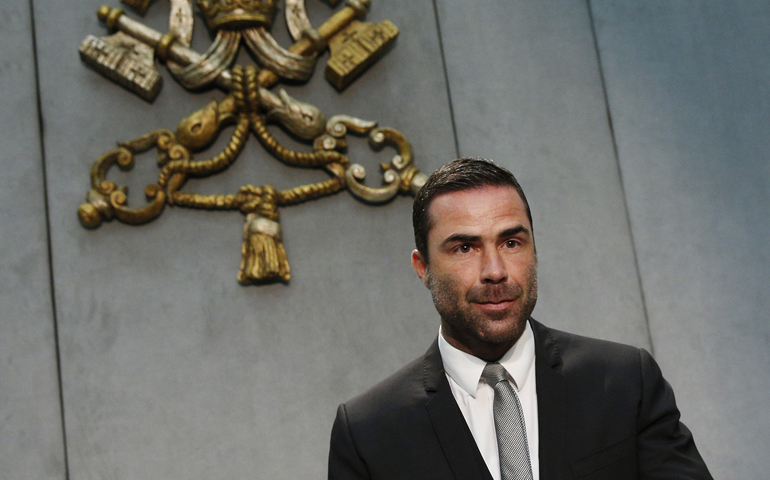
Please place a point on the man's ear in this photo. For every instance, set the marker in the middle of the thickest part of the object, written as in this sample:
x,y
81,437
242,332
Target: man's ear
x,y
420,267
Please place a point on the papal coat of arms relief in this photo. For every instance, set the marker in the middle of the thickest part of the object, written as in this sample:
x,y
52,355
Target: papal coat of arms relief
x,y
128,57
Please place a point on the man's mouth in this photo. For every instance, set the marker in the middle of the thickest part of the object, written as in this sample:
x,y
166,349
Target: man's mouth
x,y
495,305
494,298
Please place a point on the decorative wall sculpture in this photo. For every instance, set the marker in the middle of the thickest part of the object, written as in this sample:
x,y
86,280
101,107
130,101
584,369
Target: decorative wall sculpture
x,y
127,57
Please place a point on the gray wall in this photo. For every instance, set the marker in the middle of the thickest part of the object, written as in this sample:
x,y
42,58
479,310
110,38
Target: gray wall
x,y
637,130
31,440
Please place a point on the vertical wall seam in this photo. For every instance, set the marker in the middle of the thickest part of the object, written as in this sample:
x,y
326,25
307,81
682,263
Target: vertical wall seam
x,y
620,176
446,79
41,130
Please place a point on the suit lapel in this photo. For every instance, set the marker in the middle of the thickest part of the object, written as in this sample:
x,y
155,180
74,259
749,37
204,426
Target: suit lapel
x,y
452,432
551,403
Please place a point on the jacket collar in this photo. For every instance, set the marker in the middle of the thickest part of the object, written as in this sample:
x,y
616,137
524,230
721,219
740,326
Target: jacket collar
x,y
551,402
452,432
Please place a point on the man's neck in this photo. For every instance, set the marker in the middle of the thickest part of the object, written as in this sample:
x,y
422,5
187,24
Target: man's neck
x,y
487,351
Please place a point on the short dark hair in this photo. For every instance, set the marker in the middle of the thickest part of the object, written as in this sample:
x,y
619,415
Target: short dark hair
x,y
458,175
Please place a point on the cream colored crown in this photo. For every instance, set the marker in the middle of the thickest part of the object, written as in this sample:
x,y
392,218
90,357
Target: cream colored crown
x,y
237,14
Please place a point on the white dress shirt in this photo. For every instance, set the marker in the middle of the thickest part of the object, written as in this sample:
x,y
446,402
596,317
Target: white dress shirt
x,y
475,396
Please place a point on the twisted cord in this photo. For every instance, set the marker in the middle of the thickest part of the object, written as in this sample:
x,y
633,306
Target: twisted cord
x,y
267,206
209,202
245,89
216,164
295,159
263,200
302,193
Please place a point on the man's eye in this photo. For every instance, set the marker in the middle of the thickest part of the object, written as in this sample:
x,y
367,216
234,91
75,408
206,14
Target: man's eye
x,y
511,243
464,248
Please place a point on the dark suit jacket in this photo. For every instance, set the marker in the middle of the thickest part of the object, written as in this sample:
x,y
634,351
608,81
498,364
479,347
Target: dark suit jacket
x,y
605,412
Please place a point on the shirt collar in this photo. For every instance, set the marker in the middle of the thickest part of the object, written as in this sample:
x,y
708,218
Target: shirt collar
x,y
465,369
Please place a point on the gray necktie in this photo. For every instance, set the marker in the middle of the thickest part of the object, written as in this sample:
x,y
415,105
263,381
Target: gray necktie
x,y
509,423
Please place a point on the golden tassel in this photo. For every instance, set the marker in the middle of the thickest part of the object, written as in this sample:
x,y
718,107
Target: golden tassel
x,y
263,258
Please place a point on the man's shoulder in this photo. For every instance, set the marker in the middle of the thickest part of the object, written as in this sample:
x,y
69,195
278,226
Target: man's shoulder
x,y
396,384
396,394
583,353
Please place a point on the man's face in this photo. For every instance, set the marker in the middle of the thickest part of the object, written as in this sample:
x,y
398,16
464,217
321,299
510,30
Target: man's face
x,y
482,270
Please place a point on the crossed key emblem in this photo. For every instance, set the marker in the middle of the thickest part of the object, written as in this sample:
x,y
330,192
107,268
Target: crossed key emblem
x,y
127,57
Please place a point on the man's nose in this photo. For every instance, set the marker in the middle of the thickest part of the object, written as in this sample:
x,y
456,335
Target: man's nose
x,y
493,267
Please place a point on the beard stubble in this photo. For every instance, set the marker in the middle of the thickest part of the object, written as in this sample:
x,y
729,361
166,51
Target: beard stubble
x,y
469,326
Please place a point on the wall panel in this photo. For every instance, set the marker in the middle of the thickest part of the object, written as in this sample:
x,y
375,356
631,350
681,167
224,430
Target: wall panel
x,y
687,87
526,91
170,368
30,429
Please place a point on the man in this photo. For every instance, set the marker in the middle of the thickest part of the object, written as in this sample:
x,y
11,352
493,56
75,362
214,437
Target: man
x,y
499,396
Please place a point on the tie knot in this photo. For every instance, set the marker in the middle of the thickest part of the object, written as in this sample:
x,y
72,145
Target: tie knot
x,y
493,373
